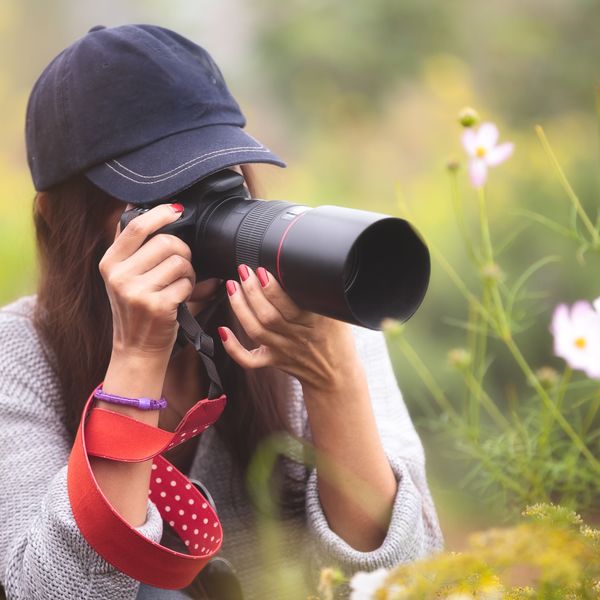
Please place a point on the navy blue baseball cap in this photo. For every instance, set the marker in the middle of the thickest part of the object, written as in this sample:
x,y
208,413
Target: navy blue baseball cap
x,y
142,111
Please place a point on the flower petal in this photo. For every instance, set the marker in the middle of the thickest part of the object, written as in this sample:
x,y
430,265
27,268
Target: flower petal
x,y
487,136
572,327
597,305
560,319
469,141
499,154
592,370
477,172
561,329
582,314
364,585
577,358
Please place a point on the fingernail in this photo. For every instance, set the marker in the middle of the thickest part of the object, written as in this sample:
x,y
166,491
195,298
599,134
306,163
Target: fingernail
x,y
178,208
243,271
222,333
263,276
230,285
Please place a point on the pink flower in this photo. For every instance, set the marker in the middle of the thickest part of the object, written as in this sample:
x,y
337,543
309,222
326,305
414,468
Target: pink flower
x,y
481,146
577,336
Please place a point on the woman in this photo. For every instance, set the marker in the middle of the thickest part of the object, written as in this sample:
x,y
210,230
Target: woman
x,y
136,114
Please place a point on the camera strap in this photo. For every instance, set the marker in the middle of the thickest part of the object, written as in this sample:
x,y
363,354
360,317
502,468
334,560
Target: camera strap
x,y
203,343
118,437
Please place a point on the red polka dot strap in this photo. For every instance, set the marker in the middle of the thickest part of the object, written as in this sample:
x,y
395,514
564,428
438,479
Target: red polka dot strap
x,y
116,436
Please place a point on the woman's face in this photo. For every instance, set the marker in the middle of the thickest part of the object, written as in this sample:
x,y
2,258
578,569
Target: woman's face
x,y
203,291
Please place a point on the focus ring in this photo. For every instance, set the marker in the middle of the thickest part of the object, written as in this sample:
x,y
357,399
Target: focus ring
x,y
252,230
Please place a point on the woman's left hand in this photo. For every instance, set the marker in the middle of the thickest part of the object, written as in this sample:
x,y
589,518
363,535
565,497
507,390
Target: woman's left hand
x,y
320,352
317,350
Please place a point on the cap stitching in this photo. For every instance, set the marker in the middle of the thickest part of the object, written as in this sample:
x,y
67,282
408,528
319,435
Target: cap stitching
x,y
232,151
260,147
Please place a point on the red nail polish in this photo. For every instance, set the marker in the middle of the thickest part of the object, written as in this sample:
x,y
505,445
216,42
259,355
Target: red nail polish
x,y
178,208
230,285
243,271
222,333
263,277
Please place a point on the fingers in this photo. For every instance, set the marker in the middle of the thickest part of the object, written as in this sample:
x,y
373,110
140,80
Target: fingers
x,y
259,303
176,292
248,359
262,285
135,233
265,312
252,326
169,270
155,251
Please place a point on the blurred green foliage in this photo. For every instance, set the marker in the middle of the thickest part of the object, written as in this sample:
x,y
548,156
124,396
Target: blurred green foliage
x,y
361,99
529,60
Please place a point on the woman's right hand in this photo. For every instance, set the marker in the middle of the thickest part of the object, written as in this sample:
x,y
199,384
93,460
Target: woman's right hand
x,y
145,282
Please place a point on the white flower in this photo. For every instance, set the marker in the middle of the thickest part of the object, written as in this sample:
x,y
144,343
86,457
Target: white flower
x,y
364,585
481,146
597,305
576,333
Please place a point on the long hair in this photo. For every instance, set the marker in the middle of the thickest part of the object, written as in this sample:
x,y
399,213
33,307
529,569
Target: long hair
x,y
74,318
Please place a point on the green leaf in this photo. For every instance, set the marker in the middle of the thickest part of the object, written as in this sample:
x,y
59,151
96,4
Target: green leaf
x,y
504,244
543,220
526,275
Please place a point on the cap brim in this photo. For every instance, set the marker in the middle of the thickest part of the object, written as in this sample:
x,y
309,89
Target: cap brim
x,y
176,162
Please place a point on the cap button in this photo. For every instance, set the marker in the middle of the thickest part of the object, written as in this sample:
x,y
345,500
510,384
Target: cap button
x,y
96,28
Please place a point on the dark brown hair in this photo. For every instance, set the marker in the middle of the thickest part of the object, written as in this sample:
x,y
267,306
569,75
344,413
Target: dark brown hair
x,y
74,318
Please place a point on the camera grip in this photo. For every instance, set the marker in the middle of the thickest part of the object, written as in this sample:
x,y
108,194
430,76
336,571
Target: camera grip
x,y
131,214
182,228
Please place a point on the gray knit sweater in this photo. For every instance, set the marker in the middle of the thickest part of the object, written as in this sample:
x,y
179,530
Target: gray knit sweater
x,y
43,555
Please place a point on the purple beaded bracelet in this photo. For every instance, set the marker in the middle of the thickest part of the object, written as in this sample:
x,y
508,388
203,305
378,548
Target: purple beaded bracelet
x,y
141,403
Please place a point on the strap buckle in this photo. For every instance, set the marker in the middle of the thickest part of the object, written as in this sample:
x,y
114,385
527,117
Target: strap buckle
x,y
202,342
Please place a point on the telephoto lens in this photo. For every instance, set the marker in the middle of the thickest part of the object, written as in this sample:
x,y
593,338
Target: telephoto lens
x,y
352,265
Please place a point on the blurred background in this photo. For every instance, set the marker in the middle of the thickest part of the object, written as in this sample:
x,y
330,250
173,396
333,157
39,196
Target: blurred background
x,y
361,100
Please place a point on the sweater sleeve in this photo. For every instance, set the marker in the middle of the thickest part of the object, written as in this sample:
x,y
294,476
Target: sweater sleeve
x,y
42,552
414,530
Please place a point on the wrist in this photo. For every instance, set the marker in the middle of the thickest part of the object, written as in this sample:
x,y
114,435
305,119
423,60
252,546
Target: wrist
x,y
343,367
134,375
340,381
133,354
140,366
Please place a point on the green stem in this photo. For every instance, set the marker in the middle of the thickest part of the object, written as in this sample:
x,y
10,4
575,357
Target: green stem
x,y
419,366
548,419
486,240
472,346
479,359
486,401
504,328
567,186
563,386
459,283
458,423
460,218
506,336
591,414
565,425
452,274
